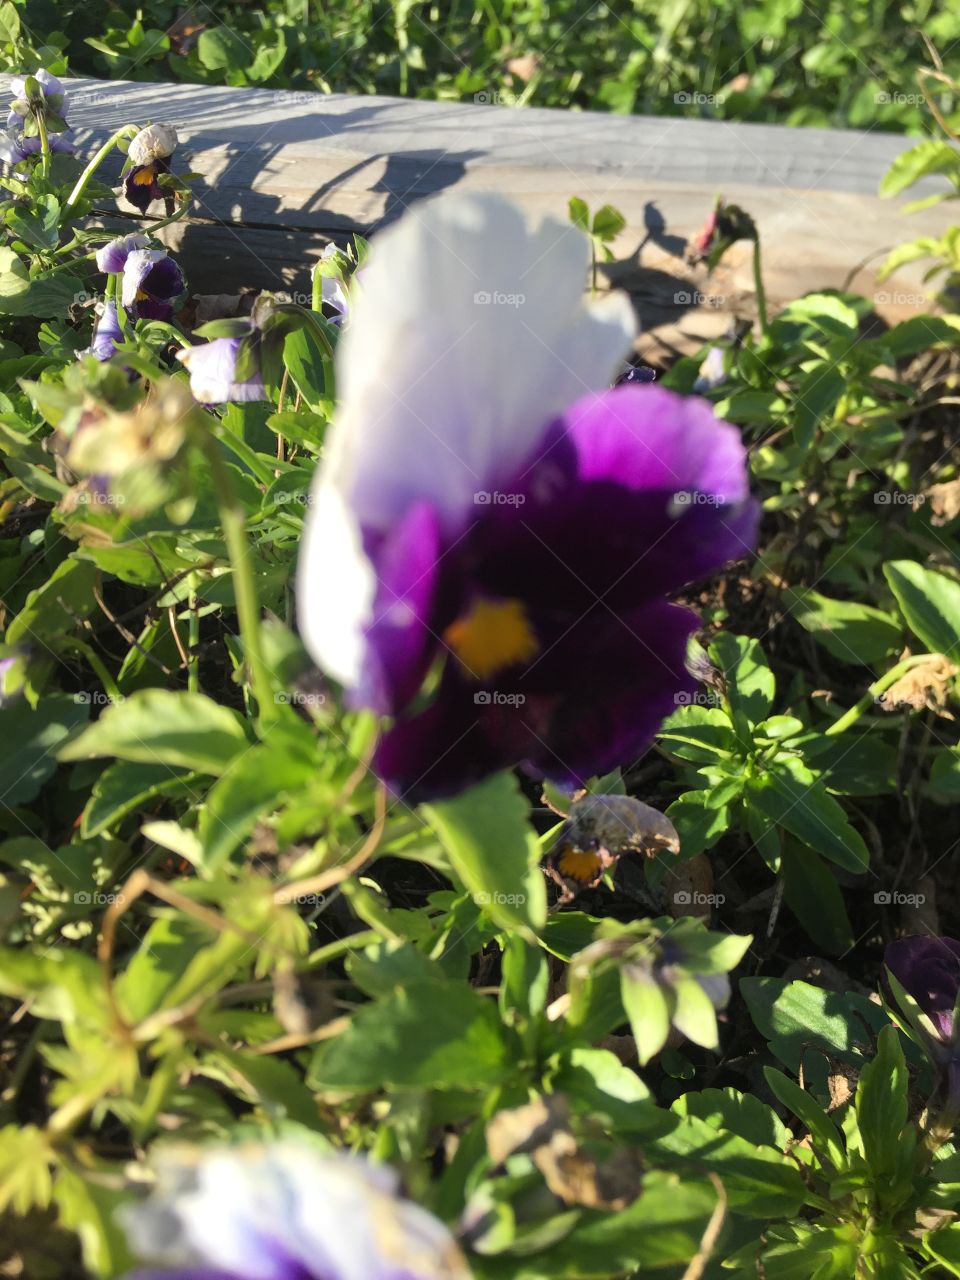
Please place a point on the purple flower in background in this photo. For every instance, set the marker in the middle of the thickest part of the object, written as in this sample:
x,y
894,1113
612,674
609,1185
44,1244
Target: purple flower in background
x,y
712,372
213,372
107,332
40,91
152,282
13,149
285,1212
928,969
488,513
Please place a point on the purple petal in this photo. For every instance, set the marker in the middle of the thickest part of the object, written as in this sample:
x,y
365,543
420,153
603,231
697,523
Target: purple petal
x,y
213,368
928,969
399,641
638,492
141,187
113,256
593,700
107,332
151,278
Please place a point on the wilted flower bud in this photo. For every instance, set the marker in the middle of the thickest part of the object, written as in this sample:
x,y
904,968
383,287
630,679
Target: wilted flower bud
x,y
156,142
152,434
725,225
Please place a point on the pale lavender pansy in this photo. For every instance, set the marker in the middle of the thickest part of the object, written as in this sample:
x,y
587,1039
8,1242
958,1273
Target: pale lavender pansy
x,y
107,332
112,257
213,372
489,513
285,1212
13,149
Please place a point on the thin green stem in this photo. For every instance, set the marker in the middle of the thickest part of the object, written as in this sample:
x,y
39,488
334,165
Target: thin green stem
x,y
193,643
876,689
316,293
44,144
97,161
758,287
233,518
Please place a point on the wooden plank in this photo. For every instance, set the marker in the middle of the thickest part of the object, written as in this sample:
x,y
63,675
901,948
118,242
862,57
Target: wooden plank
x,y
283,172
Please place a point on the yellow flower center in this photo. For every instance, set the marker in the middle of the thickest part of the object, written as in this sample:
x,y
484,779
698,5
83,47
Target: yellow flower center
x,y
143,177
582,865
490,636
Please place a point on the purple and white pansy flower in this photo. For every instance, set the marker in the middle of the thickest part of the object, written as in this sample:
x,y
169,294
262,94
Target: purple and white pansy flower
x,y
151,281
285,1212
490,515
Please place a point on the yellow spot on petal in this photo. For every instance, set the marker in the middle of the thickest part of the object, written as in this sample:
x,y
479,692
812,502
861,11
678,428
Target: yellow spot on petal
x,y
492,635
143,177
579,864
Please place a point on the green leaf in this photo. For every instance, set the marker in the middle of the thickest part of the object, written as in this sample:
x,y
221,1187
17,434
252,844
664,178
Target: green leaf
x,y
698,825
739,1113
36,735
304,361
882,1104
750,682
168,947
930,602
160,726
608,222
701,734
760,1181
929,156
429,1035
794,1016
825,310
57,606
818,395
124,787
9,23
813,895
579,213
851,631
795,798
25,1160
824,1132
494,850
647,1010
42,298
221,49
252,787
89,1209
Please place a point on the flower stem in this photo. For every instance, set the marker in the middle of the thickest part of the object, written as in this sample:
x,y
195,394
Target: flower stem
x,y
238,548
96,162
758,288
44,145
316,293
876,689
193,643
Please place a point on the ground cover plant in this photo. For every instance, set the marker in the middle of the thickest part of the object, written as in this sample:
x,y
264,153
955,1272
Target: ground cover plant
x,y
471,805
834,62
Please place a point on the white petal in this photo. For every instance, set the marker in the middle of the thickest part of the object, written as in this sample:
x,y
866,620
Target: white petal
x,y
335,586
470,334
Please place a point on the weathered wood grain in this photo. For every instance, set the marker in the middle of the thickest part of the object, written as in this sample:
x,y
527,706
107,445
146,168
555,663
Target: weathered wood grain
x,y
284,172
